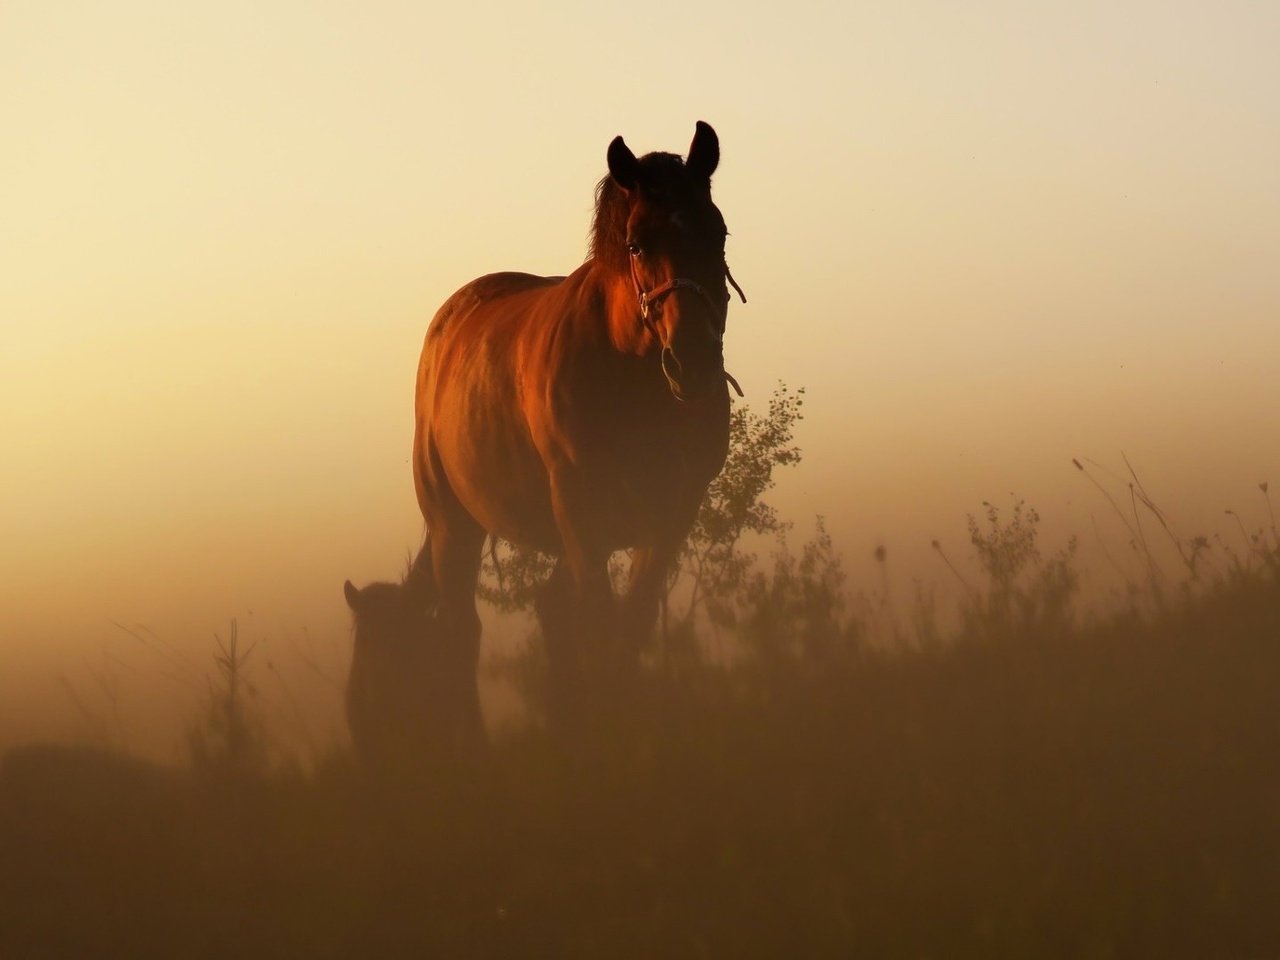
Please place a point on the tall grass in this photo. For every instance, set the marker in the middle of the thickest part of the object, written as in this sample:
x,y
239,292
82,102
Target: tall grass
x,y
803,767
1034,781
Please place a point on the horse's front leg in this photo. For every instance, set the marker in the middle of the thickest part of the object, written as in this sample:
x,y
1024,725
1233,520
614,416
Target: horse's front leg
x,y
588,633
581,515
650,567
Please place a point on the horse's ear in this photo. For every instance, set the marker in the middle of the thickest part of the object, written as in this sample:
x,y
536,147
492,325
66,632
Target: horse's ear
x,y
704,152
623,165
352,594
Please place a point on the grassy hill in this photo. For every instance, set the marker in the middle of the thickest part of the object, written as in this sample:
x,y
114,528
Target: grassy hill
x,y
1036,784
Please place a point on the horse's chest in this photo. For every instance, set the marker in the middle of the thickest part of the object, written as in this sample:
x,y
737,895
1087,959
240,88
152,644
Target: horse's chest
x,y
654,477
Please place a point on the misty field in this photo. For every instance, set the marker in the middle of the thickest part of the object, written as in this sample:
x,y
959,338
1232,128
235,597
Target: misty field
x,y
1111,791
796,771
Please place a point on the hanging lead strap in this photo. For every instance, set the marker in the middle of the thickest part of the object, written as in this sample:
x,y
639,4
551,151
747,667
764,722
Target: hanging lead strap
x,y
734,283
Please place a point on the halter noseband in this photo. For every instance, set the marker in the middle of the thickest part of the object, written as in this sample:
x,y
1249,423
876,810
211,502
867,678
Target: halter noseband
x,y
647,299
650,297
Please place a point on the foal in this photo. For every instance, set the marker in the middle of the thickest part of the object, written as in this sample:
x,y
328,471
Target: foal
x,y
410,697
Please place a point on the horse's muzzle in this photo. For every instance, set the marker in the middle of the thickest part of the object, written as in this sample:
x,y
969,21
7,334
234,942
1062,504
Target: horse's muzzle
x,y
692,357
689,383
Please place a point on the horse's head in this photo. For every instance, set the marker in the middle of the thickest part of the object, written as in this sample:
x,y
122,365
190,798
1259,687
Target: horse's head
x,y
658,228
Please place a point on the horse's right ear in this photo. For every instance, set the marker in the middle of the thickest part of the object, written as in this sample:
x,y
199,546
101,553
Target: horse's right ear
x,y
352,594
623,165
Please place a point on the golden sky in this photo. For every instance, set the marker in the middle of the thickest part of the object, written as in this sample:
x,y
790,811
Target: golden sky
x,y
986,237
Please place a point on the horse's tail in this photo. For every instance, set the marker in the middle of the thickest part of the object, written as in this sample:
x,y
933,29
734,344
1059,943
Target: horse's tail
x,y
493,558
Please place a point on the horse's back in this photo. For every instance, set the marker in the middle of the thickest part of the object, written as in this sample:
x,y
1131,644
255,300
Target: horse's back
x,y
477,332
477,335
483,291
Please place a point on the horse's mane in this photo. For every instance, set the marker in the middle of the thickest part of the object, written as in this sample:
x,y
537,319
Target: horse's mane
x,y
661,175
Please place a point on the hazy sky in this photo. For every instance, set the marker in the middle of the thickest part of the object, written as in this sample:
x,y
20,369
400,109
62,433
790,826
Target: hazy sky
x,y
986,237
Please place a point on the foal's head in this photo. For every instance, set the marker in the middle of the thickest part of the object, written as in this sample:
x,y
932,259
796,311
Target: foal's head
x,y
657,227
392,700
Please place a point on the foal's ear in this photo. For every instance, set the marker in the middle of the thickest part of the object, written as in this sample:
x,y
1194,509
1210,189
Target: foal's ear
x,y
352,594
704,152
623,165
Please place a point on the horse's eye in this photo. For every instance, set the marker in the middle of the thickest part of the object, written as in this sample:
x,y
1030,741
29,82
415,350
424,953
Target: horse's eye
x,y
633,249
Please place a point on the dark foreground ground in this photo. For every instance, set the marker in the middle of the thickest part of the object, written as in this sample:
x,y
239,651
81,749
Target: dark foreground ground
x,y
1112,792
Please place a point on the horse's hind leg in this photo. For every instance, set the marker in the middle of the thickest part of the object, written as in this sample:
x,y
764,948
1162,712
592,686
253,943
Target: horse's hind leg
x,y
456,544
556,617
420,580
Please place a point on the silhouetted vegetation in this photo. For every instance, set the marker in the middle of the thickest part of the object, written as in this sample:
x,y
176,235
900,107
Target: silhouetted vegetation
x,y
800,770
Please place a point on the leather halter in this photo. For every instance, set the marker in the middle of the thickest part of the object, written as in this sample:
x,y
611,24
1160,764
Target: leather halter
x,y
648,298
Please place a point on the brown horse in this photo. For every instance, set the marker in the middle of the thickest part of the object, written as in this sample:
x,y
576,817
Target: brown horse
x,y
584,414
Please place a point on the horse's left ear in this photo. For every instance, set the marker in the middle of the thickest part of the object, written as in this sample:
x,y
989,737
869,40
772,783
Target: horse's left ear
x,y
704,152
